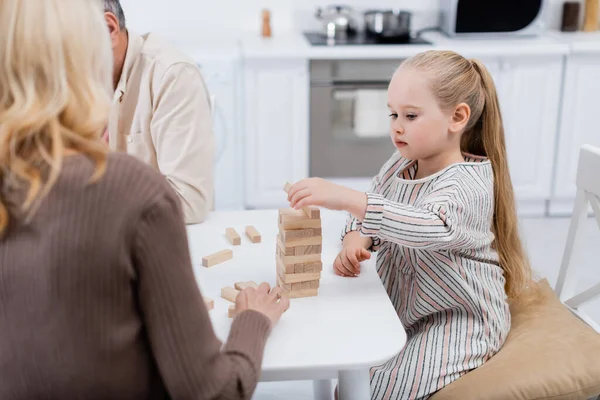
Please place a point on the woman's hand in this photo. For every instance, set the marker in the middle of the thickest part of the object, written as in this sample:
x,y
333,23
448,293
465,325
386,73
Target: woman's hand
x,y
322,193
264,300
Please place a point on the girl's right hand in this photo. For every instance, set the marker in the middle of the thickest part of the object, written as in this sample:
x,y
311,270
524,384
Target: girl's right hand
x,y
265,300
348,261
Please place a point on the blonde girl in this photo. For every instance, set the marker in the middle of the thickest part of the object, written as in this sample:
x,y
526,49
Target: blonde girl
x,y
441,214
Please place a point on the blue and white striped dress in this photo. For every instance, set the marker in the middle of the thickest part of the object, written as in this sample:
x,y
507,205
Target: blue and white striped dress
x,y
436,260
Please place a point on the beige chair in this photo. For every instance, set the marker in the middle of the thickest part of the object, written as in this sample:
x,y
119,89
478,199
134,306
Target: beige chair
x,y
553,348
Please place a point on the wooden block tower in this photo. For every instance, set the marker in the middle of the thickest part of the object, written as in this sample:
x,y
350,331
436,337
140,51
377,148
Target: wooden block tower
x,y
299,247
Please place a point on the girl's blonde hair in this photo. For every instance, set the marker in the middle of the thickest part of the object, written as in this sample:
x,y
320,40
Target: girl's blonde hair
x,y
454,80
55,92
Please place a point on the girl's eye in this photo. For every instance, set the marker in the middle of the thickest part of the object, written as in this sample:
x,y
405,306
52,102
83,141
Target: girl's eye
x,y
411,117
393,115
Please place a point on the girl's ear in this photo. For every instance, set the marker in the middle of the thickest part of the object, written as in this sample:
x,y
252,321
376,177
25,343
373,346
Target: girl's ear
x,y
460,118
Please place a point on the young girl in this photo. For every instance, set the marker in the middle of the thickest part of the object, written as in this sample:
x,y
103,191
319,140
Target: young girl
x,y
441,213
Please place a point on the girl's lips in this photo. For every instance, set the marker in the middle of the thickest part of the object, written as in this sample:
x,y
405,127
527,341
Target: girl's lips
x,y
400,143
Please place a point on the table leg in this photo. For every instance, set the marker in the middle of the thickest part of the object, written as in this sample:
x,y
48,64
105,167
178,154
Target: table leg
x,y
354,385
322,390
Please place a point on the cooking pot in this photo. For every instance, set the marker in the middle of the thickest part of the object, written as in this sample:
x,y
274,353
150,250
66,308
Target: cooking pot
x,y
338,21
387,24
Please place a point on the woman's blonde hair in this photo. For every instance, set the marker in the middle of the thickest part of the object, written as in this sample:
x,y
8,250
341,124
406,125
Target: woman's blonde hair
x,y
55,92
454,80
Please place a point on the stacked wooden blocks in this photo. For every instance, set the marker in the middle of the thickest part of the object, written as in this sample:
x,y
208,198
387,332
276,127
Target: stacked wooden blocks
x,y
298,254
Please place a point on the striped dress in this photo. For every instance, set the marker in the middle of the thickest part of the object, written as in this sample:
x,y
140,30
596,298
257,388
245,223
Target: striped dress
x,y
435,258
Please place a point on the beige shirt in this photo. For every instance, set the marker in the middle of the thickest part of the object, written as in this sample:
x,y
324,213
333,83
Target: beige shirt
x,y
161,115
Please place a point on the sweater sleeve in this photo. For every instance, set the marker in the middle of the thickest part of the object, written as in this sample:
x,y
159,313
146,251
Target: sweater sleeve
x,y
380,183
185,348
445,220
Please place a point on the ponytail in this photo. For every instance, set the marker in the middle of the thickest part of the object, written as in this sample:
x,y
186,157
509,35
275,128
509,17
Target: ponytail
x,y
487,138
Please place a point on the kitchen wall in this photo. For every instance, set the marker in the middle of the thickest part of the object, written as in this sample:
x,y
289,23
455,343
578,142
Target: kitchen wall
x,y
177,18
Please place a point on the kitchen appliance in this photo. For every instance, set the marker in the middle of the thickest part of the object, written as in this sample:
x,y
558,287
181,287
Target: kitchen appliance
x,y
387,24
361,39
338,21
492,18
349,119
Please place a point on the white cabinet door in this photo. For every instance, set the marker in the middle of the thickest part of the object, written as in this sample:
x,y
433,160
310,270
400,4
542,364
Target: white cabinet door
x,y
529,90
580,124
276,126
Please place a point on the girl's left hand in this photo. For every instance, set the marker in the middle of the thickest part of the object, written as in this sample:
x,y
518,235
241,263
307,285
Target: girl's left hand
x,y
322,193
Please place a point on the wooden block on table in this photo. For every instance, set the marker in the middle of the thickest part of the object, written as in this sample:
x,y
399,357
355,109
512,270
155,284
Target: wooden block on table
x,y
243,285
208,302
233,236
294,235
253,234
231,311
217,258
229,293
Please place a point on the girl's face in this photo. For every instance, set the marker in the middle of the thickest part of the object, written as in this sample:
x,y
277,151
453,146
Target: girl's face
x,y
420,129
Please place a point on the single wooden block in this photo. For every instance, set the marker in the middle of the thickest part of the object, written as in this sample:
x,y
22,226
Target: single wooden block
x,y
253,234
309,258
312,212
208,302
243,285
287,223
233,236
295,278
288,269
229,293
315,284
307,241
296,294
300,268
300,286
284,286
217,258
231,311
288,236
313,267
288,250
304,250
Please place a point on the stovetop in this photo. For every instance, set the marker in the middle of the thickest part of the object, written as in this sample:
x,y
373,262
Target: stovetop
x,y
360,39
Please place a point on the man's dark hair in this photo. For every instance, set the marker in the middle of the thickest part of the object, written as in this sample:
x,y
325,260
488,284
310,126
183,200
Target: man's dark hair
x,y
114,7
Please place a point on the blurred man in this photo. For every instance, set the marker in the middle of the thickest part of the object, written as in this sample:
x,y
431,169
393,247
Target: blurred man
x,y
161,112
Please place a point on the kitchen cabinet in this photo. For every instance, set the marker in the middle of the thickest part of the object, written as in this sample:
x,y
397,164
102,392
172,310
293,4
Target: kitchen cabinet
x,y
529,91
580,124
276,128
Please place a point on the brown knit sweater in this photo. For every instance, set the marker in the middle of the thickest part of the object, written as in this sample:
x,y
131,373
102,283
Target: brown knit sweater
x,y
98,299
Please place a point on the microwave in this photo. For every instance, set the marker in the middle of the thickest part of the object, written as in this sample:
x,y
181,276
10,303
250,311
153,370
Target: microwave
x,y
492,17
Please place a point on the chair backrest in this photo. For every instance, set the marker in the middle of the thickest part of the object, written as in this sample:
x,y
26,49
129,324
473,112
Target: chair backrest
x,y
588,192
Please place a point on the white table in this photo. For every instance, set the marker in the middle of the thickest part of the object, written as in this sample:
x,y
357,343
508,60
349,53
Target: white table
x,y
349,327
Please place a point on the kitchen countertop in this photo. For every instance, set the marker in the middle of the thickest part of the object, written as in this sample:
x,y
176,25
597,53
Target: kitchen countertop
x,y
580,42
293,45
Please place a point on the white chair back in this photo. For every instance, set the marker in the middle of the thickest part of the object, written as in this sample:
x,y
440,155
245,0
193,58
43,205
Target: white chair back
x,y
588,192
